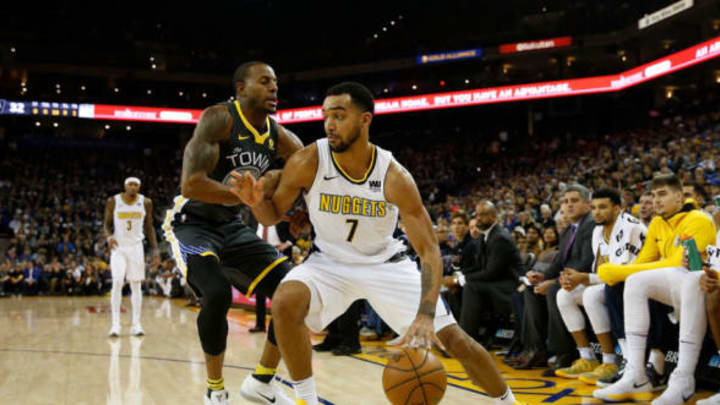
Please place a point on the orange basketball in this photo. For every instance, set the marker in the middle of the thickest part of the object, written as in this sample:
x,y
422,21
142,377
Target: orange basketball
x,y
414,377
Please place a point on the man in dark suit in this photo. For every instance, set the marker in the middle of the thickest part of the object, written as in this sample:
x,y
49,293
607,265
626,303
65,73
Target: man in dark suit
x,y
541,318
489,271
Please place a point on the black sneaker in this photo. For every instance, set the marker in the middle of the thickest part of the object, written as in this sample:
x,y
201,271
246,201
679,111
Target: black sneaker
x,y
606,382
325,346
344,350
659,382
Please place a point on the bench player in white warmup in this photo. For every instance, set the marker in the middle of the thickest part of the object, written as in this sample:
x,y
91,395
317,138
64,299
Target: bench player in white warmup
x,y
354,192
128,219
617,238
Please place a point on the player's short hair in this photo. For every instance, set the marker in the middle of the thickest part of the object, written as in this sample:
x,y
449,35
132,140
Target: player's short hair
x,y
242,71
611,194
669,180
462,215
359,94
580,189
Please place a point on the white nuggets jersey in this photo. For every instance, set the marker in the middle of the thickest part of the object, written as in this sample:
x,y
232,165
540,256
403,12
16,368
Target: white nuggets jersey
x,y
353,221
626,240
129,220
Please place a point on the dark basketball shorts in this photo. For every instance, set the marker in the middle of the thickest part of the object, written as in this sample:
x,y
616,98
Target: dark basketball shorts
x,y
250,264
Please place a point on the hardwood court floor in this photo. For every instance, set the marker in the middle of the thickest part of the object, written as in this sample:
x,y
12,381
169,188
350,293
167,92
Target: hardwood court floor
x,y
56,351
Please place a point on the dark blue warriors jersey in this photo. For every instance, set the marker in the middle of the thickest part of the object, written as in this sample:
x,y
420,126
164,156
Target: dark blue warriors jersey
x,y
246,150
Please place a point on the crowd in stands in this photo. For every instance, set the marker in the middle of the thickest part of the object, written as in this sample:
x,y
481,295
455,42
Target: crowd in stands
x,y
51,207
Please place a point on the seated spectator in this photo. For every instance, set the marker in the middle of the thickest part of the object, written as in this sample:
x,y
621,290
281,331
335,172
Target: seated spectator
x,y
488,275
541,317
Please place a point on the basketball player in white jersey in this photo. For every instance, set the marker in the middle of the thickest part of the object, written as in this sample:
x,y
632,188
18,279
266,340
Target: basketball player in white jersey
x,y
617,238
128,219
354,192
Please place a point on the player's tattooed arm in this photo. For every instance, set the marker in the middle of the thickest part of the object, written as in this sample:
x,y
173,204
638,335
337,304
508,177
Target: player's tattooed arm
x,y
400,190
427,306
201,156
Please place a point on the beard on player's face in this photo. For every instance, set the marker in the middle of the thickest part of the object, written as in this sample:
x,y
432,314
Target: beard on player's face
x,y
343,145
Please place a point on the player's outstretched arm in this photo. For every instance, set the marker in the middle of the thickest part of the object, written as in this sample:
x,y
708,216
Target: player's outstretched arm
x,y
400,189
297,175
201,155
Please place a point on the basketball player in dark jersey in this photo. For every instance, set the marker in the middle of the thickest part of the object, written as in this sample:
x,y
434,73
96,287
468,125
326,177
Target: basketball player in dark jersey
x,y
214,248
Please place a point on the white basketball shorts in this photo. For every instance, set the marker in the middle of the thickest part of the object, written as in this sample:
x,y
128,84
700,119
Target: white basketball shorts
x,y
392,289
128,262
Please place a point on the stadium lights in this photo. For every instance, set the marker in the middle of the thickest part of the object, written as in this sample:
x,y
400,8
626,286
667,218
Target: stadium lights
x,y
55,124
154,66
116,90
107,126
414,86
12,49
128,127
624,58
152,59
375,36
204,95
392,22
669,93
385,29
57,86
149,92
82,87
37,123
58,91
180,93
386,90
467,81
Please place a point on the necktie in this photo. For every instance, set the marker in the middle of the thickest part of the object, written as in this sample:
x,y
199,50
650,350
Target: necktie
x,y
571,240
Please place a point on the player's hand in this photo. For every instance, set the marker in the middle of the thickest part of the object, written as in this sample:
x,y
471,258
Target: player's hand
x,y
112,243
709,280
299,223
535,277
250,191
422,333
571,278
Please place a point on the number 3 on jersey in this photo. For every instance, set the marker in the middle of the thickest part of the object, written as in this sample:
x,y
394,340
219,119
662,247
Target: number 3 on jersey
x,y
353,228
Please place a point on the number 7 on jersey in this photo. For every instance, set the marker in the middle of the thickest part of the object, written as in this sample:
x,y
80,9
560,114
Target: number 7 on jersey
x,y
353,228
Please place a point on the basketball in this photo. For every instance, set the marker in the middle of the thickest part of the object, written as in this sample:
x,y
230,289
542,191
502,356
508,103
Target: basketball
x,y
414,377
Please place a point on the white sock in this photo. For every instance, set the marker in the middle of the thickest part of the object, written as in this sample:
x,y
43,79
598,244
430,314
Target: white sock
x,y
305,390
636,356
136,299
688,354
623,347
657,359
116,301
609,358
586,353
506,399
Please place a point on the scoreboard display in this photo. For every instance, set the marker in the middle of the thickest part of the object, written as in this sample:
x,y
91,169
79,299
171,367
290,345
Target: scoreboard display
x,y
39,108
